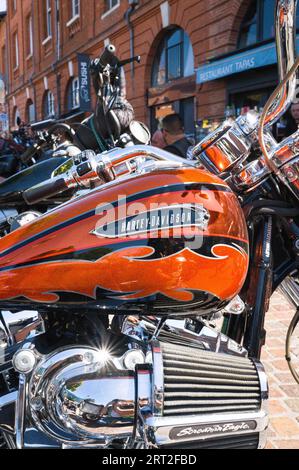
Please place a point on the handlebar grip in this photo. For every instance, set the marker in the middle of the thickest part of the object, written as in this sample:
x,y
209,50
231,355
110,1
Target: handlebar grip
x,y
44,190
108,56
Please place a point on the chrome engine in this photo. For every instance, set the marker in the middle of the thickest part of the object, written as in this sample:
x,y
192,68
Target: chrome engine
x,y
187,387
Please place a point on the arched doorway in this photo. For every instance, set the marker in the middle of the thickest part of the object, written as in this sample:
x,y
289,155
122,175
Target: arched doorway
x,y
173,84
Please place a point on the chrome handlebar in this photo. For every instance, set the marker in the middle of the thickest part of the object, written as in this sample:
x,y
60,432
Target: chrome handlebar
x,y
89,169
285,32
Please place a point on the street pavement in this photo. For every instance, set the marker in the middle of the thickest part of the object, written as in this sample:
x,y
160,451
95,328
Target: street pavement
x,y
283,432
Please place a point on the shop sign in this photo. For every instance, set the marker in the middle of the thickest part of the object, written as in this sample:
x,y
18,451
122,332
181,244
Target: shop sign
x,y
254,58
84,82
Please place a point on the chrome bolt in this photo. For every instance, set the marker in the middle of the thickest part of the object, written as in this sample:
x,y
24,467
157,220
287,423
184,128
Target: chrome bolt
x,y
37,403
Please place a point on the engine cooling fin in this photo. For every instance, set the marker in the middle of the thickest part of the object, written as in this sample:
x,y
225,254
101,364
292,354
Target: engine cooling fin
x,y
198,382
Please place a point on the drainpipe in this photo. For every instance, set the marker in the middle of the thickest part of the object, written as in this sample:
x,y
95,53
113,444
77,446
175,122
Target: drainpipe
x,y
33,52
133,4
8,65
57,10
57,34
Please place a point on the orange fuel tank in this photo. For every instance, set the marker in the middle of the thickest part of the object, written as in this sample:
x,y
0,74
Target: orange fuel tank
x,y
172,240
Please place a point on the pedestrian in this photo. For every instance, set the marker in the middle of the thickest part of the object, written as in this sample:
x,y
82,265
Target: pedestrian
x,y
174,136
158,140
292,120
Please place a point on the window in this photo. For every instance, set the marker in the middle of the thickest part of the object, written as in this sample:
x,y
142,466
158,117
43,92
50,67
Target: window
x,y
29,34
15,51
258,24
30,111
75,8
174,59
48,105
109,4
48,19
73,95
16,117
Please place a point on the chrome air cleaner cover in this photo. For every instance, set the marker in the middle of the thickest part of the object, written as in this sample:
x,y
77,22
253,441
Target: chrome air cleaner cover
x,y
182,389
83,394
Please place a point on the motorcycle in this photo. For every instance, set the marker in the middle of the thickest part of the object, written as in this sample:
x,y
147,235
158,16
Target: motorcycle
x,y
52,148
108,299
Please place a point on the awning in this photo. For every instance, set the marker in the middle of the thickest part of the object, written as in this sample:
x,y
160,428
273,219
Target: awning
x,y
236,63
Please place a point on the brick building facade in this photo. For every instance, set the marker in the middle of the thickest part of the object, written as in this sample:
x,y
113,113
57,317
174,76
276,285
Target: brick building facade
x,y
42,38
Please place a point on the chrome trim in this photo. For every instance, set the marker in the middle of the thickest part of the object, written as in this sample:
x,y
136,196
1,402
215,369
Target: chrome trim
x,y
143,389
20,411
157,380
6,215
232,140
112,158
4,340
249,175
285,30
161,428
286,150
85,445
289,175
264,387
263,439
116,164
22,326
235,307
134,328
191,331
283,95
119,164
9,439
7,406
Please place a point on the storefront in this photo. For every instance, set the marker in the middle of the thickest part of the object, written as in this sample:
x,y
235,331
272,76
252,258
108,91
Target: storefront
x,y
250,73
250,76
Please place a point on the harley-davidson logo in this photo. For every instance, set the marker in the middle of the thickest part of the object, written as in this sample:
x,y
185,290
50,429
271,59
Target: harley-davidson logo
x,y
153,220
210,429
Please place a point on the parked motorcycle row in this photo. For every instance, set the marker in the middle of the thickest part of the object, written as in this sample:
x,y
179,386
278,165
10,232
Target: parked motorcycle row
x,y
116,259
